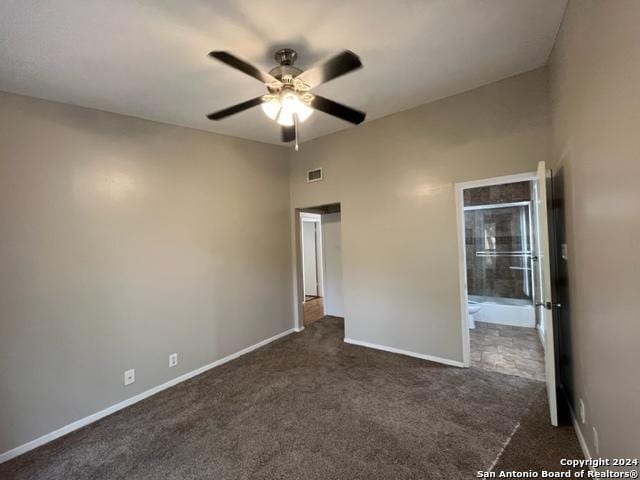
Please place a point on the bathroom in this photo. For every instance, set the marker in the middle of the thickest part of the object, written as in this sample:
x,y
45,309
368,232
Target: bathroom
x,y
503,279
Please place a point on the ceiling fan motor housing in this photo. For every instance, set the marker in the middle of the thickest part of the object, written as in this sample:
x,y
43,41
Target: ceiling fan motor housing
x,y
286,57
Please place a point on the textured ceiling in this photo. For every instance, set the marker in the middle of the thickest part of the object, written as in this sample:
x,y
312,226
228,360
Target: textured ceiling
x,y
147,58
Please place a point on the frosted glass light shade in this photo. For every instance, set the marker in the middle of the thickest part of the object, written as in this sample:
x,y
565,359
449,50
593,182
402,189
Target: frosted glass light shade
x,y
285,118
272,108
304,111
291,104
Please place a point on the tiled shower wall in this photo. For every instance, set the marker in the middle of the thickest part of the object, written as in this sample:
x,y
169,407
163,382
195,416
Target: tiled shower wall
x,y
492,194
498,230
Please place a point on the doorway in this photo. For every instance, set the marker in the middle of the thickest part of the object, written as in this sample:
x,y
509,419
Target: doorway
x,y
312,255
319,263
505,277
312,263
501,279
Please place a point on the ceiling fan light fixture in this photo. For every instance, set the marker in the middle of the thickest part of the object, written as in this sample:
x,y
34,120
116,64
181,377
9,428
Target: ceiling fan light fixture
x,y
304,111
285,118
271,107
293,105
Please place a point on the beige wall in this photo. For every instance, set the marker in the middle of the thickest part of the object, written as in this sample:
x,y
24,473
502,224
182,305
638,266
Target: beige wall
x,y
395,180
595,87
123,241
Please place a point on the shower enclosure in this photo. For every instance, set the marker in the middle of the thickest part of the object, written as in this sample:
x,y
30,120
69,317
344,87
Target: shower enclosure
x,y
500,262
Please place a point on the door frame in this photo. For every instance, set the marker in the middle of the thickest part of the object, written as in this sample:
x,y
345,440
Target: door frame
x,y
296,257
462,256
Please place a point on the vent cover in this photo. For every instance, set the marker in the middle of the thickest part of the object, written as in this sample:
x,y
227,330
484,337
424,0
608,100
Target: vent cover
x,y
314,175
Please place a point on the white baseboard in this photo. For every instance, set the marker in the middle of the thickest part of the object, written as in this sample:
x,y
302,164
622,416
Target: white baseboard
x,y
298,329
581,441
8,455
431,358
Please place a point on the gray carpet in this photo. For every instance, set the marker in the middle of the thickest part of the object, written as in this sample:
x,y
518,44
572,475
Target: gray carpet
x,y
310,406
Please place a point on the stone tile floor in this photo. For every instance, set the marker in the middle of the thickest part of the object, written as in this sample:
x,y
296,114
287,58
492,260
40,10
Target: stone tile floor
x,y
506,349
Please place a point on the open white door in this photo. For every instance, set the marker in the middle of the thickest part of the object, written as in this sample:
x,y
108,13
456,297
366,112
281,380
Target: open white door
x,y
545,307
310,259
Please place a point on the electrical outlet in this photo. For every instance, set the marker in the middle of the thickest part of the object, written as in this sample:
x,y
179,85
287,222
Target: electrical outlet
x,y
173,360
582,412
596,442
129,376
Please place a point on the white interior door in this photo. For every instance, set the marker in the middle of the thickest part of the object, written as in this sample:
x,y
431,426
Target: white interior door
x,y
309,259
545,307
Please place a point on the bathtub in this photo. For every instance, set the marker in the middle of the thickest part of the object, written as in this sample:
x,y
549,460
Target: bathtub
x,y
505,312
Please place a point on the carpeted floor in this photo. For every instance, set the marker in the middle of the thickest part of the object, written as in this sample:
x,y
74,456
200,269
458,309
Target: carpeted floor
x,y
310,406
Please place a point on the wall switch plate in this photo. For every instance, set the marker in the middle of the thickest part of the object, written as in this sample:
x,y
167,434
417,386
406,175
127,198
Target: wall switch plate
x,y
129,376
173,360
596,442
582,412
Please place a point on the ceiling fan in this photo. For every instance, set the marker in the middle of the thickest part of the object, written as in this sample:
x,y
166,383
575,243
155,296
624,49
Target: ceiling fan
x,y
290,101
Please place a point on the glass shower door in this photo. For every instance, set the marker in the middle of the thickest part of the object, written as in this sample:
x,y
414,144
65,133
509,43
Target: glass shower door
x,y
499,253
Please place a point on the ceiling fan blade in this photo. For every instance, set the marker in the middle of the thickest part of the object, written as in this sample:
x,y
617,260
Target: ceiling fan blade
x,y
342,63
338,110
288,134
235,62
219,115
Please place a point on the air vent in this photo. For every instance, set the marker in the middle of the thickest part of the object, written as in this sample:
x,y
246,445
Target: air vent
x,y
314,175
